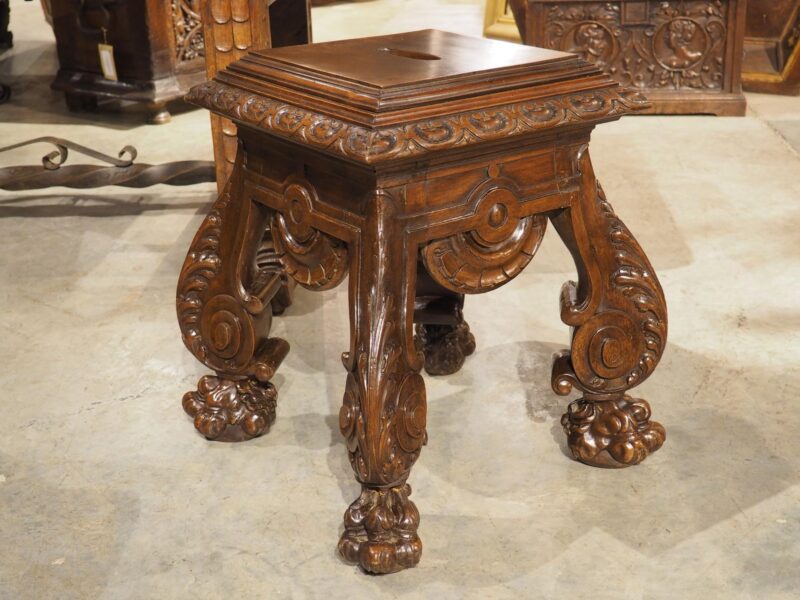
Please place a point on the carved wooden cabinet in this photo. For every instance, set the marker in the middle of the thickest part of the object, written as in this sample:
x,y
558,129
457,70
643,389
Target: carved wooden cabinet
x,y
157,49
684,55
6,38
772,47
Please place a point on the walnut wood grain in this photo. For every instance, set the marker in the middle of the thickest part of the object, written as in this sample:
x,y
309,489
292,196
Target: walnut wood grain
x,y
420,184
223,304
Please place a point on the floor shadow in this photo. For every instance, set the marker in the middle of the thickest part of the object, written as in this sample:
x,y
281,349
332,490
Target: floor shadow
x,y
69,529
719,460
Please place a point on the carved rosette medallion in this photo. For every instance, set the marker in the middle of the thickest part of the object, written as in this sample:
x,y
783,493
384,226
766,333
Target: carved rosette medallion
x,y
313,259
502,244
681,45
593,40
188,27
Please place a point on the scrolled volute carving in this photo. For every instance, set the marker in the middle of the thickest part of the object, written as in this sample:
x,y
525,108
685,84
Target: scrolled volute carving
x,y
222,323
494,252
313,259
620,321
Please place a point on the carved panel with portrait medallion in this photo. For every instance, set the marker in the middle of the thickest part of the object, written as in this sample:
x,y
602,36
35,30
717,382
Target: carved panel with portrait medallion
x,y
685,55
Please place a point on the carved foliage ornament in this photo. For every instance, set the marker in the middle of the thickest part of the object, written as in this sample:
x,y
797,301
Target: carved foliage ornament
x,y
333,135
383,415
681,46
221,330
188,27
621,330
616,433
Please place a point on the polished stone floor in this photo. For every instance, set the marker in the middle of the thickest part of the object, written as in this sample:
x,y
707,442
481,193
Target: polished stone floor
x,y
106,491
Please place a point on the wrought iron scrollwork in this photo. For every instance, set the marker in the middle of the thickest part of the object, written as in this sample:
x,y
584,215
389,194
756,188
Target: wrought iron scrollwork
x,y
122,172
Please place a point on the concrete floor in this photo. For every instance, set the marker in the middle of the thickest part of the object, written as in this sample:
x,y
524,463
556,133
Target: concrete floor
x,y
106,491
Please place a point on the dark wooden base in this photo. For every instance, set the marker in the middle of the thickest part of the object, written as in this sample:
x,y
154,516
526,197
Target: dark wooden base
x,y
86,91
445,347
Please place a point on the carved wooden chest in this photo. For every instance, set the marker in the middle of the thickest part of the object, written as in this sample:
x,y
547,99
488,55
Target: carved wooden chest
x,y
685,55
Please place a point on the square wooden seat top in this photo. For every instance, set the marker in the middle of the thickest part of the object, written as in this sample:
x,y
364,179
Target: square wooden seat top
x,y
391,97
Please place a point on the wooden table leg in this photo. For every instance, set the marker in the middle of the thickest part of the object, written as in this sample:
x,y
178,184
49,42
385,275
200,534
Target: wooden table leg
x,y
224,311
384,410
619,317
441,332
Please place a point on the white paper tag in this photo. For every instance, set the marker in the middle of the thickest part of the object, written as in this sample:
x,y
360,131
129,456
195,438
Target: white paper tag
x,y
107,63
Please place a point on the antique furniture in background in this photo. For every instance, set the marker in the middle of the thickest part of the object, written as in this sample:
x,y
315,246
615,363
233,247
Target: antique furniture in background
x,y
6,41
6,38
232,28
158,51
426,166
684,55
772,47
498,21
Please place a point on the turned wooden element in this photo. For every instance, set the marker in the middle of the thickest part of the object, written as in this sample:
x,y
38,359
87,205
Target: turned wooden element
x,y
424,166
772,47
684,55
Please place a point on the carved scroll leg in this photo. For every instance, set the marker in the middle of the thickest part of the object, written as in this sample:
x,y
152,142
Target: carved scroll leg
x,y
384,408
224,312
442,334
619,317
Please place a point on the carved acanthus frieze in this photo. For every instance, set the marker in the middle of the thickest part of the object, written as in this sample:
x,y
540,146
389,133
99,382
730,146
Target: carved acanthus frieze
x,y
681,44
374,145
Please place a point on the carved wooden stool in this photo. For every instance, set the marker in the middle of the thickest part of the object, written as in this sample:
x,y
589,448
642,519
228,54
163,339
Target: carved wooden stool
x,y
426,165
